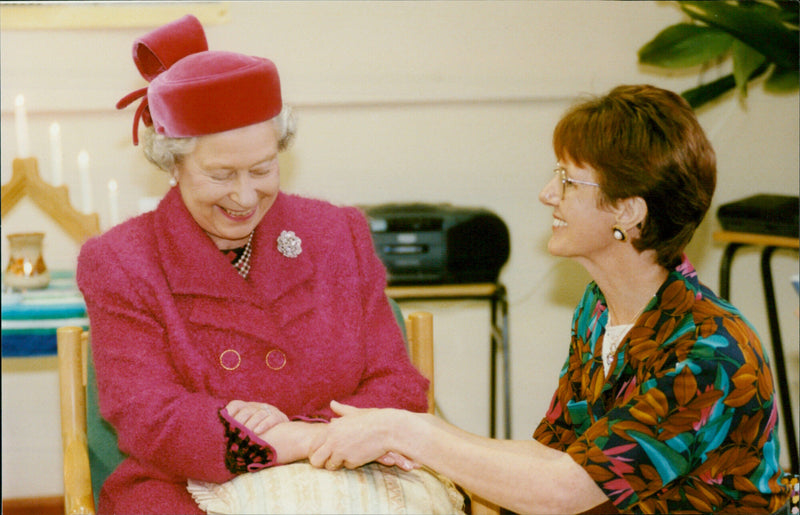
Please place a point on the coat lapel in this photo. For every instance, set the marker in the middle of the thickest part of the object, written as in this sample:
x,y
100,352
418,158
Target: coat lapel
x,y
273,273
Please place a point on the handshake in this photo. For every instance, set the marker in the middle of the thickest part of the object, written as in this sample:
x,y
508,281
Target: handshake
x,y
358,436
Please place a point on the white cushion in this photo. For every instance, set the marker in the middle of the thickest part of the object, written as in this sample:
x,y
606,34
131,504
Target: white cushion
x,y
301,488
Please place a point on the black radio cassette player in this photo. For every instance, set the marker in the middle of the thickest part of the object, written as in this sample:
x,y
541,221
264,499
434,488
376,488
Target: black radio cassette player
x,y
438,243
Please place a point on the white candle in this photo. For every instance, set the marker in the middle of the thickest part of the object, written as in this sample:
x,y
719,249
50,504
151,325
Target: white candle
x,y
86,185
113,201
55,154
21,123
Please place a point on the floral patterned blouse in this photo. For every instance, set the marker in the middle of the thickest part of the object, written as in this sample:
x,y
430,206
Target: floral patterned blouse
x,y
687,419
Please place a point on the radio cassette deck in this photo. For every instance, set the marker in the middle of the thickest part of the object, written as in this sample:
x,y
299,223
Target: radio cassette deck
x,y
438,243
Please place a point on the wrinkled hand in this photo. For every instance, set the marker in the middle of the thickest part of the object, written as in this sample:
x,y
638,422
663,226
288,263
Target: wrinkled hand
x,y
258,417
359,436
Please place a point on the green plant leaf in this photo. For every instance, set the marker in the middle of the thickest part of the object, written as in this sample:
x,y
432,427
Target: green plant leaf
x,y
707,92
684,45
765,33
782,80
745,61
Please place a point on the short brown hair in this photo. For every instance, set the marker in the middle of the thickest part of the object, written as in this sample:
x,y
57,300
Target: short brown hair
x,y
645,142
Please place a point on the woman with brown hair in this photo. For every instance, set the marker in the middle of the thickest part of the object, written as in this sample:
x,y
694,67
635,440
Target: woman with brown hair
x,y
665,403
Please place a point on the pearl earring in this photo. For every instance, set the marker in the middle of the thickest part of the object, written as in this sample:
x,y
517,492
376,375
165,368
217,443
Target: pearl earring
x,y
173,181
619,233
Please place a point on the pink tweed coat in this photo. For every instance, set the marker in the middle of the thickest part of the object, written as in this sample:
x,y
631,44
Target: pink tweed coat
x,y
177,334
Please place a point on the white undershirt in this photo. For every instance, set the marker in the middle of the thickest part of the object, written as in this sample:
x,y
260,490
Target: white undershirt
x,y
611,340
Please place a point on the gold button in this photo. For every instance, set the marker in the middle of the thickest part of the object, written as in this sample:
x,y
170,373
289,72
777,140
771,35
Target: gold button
x,y
276,359
230,359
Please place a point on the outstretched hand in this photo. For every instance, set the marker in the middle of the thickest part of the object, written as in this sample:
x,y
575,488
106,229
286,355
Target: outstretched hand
x,y
359,436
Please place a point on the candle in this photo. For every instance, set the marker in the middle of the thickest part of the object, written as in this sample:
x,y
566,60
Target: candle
x,y
86,185
21,123
113,201
55,154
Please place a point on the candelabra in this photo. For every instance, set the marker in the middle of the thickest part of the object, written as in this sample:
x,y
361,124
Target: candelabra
x,y
26,267
53,200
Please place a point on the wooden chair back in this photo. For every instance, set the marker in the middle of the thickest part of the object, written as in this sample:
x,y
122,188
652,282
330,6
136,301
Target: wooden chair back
x,y
419,331
72,372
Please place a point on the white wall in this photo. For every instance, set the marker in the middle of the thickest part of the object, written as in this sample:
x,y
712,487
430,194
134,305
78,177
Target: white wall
x,y
412,101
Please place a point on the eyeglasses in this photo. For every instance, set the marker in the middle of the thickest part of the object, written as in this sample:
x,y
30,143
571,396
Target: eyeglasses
x,y
562,174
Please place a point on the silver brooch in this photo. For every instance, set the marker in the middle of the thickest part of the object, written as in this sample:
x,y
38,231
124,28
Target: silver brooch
x,y
289,244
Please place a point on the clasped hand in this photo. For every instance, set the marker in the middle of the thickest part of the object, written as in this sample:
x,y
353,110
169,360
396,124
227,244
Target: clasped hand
x,y
358,437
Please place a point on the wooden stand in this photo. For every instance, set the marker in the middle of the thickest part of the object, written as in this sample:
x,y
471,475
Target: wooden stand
x,y
53,200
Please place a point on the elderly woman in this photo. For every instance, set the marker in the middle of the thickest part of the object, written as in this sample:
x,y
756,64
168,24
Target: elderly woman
x,y
665,403
226,321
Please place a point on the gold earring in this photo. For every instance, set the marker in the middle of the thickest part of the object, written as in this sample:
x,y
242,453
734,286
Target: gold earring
x,y
619,233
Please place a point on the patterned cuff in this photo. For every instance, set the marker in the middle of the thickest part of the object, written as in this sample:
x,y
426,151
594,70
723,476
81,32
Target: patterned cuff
x,y
245,452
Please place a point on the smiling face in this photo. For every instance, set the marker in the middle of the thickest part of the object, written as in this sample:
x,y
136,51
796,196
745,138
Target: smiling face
x,y
230,180
581,228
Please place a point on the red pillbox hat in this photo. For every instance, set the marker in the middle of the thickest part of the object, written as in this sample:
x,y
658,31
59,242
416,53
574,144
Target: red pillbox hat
x,y
194,91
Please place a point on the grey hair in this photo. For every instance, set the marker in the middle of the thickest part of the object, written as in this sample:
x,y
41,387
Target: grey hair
x,y
166,152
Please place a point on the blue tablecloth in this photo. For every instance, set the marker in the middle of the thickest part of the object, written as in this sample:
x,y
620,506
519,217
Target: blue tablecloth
x,y
30,318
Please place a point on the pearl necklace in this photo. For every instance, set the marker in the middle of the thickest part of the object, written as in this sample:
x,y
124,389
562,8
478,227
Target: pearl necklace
x,y
242,265
615,334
